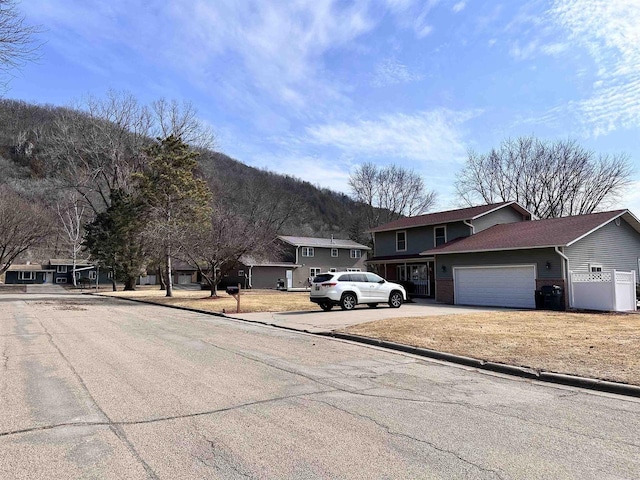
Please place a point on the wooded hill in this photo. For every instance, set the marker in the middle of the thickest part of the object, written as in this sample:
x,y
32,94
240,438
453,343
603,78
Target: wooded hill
x,y
32,142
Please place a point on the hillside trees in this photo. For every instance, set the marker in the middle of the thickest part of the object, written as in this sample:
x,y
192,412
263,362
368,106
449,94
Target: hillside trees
x,y
176,200
549,178
389,192
24,224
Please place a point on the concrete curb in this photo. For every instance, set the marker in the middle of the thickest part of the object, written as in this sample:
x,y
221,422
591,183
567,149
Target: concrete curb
x,y
522,372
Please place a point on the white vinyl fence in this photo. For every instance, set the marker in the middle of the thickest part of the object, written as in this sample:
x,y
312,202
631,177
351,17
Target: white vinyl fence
x,y
609,291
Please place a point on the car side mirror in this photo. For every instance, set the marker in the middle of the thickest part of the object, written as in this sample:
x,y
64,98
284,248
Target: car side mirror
x,y
381,281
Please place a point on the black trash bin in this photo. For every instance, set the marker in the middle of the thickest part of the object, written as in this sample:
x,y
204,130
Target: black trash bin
x,y
552,298
539,300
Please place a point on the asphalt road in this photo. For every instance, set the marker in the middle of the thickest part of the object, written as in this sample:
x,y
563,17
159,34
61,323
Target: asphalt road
x,y
102,388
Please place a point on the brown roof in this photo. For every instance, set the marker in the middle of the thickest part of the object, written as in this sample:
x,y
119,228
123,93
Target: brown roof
x,y
31,267
550,232
438,218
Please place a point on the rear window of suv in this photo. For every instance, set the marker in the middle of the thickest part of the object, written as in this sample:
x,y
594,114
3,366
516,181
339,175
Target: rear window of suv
x,y
324,277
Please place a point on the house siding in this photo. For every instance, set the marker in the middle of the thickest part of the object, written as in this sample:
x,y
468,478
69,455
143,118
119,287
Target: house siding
x,y
612,246
323,260
504,215
11,277
419,239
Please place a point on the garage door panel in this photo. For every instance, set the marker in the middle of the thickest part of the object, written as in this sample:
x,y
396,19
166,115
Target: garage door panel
x,y
496,286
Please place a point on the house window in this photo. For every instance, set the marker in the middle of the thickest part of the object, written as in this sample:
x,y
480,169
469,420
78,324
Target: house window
x,y
92,275
356,253
109,275
26,275
401,241
334,252
61,280
61,269
314,271
333,270
307,251
241,273
595,268
353,269
439,235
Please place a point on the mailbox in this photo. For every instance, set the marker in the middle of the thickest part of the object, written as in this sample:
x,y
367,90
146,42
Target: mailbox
x,y
233,290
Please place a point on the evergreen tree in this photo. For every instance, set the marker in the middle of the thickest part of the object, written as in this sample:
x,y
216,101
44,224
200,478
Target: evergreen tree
x,y
177,201
114,239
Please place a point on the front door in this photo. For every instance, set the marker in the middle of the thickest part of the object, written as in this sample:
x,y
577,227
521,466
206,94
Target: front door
x,y
48,277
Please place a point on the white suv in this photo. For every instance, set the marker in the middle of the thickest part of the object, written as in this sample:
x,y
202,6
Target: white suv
x,y
349,289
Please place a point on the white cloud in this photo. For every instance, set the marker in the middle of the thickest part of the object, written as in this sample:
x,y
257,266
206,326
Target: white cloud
x,y
391,72
424,137
609,31
458,7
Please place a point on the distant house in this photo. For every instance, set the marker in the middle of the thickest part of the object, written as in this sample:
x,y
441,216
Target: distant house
x,y
295,260
57,270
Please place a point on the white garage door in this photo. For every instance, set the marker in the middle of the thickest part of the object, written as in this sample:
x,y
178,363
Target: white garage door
x,y
503,286
184,279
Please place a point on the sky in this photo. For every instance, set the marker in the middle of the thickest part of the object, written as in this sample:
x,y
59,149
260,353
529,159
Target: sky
x,y
314,88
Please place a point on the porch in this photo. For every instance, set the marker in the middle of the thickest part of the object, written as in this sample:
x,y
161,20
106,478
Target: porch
x,y
415,274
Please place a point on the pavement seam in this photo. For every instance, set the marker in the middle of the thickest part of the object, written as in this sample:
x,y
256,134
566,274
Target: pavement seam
x,y
117,430
410,437
584,383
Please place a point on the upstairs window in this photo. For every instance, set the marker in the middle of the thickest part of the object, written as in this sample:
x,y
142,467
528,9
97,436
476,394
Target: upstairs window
x,y
595,268
440,235
356,253
307,251
401,241
61,269
334,252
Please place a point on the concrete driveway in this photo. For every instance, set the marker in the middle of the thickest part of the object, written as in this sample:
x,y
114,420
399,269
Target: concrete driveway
x,y
315,320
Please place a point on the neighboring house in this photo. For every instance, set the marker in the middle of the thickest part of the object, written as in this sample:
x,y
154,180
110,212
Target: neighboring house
x,y
30,273
57,270
398,245
503,265
295,260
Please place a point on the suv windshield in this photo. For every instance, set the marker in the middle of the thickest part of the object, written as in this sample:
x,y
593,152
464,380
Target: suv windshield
x,y
324,277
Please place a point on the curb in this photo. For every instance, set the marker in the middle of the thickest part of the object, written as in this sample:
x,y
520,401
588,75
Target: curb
x,y
513,370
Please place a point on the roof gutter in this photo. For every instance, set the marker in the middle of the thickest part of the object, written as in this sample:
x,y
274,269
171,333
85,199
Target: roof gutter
x,y
470,225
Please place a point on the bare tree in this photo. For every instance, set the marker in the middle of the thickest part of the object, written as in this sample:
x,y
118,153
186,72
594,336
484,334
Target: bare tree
x,y
180,120
72,215
390,192
23,224
16,40
549,178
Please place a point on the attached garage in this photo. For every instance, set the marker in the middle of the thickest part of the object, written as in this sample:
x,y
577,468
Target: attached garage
x,y
495,286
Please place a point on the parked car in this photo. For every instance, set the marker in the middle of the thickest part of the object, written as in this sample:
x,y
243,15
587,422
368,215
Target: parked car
x,y
349,289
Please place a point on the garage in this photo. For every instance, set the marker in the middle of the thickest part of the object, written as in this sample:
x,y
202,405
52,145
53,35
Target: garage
x,y
184,279
495,286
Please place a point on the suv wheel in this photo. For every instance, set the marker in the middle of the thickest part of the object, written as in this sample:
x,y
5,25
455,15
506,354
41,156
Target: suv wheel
x,y
348,301
395,299
326,306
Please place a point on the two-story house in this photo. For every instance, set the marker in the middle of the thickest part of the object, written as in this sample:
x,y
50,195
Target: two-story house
x,y
296,259
398,245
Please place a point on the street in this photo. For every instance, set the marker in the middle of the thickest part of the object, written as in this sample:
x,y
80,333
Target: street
x,y
97,387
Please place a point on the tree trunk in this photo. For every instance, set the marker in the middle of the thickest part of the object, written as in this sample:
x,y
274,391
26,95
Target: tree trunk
x,y
113,279
163,284
214,289
130,284
169,279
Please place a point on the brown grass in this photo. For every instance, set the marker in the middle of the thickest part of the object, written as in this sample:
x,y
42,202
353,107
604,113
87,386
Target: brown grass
x,y
250,300
602,346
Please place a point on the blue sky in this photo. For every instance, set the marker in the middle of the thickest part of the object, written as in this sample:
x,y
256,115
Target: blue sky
x,y
314,88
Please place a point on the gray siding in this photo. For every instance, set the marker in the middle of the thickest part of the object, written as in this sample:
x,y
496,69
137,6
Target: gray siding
x,y
267,277
323,260
504,215
419,239
612,246
538,256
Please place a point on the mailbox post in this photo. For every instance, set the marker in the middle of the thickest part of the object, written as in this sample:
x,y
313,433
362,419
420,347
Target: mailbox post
x,y
235,293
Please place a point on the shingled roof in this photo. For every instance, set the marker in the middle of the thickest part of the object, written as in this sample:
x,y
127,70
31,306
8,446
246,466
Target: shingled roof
x,y
458,215
552,232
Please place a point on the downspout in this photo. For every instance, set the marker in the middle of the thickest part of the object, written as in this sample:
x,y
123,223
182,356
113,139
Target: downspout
x,y
297,255
250,270
470,225
565,274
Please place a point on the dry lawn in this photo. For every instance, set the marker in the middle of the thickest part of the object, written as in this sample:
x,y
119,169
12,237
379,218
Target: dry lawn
x,y
250,300
605,346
